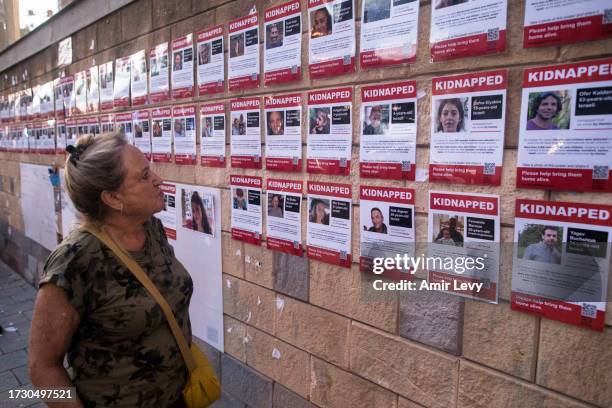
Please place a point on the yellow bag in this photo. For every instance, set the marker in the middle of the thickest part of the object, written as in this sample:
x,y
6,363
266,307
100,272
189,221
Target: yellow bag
x,y
203,387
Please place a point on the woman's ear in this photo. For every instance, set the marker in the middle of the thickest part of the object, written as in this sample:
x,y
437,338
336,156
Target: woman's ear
x,y
111,200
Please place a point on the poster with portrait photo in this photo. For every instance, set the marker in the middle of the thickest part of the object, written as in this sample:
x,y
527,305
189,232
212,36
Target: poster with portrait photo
x,y
93,90
283,43
564,128
121,90
161,134
36,102
564,22
329,223
388,131
80,93
389,31
461,28
184,134
71,132
139,81
46,100
212,135
245,139
467,128
60,138
123,126
211,61
141,125
243,62
464,237
58,92
331,28
561,261
168,215
330,131
386,227
107,123
182,67
47,137
284,220
246,208
283,130
107,81
159,82
198,211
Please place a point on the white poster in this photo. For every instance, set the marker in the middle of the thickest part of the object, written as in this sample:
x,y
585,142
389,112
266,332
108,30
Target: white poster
x,y
246,208
283,43
106,85
70,215
182,67
123,122
467,28
93,89
121,89
142,131
283,116
464,244
60,139
38,205
58,92
46,101
212,135
246,133
184,134
168,215
138,81
561,261
159,82
47,137
80,93
467,128
387,227
211,61
107,123
161,140
389,32
387,147
71,132
564,132
284,220
331,49
330,131
244,53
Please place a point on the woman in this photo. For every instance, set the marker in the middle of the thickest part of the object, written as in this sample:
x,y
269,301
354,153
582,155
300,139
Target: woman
x,y
318,213
450,116
198,215
445,238
120,350
275,209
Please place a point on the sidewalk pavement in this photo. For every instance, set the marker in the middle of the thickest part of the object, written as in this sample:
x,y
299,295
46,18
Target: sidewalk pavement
x,y
16,306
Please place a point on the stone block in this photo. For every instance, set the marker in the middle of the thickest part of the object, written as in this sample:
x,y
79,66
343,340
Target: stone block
x,y
500,338
258,265
249,303
109,31
433,318
404,403
8,381
85,42
587,49
235,338
168,12
416,372
313,329
349,292
291,275
278,360
193,24
136,19
505,263
226,216
245,383
284,398
233,256
333,387
575,362
228,401
481,387
212,177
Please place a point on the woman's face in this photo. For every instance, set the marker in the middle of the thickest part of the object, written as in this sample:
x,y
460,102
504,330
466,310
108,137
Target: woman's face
x,y
450,118
319,213
140,193
377,219
275,202
177,59
320,22
196,212
446,233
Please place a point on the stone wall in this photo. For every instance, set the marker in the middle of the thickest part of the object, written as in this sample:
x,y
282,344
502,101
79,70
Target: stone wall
x,y
337,349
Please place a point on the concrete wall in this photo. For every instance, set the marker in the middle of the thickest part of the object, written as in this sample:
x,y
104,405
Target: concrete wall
x,y
338,350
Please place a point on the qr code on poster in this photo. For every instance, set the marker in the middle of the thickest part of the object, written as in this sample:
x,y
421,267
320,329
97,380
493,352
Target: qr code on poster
x,y
493,34
589,310
489,169
406,165
601,172
607,17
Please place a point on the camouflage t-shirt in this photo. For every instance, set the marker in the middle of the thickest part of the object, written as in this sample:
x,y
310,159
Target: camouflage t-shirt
x,y
123,353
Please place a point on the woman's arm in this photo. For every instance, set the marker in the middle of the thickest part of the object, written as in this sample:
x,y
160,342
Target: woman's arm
x,y
54,322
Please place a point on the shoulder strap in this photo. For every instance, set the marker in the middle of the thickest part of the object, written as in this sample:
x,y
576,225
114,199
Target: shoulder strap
x,y
142,277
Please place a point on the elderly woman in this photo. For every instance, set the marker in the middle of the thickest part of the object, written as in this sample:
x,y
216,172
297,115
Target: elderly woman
x,y
90,308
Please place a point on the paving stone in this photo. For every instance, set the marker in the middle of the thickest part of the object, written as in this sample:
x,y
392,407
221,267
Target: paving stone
x,y
291,275
284,398
22,374
12,360
14,345
228,401
7,381
245,383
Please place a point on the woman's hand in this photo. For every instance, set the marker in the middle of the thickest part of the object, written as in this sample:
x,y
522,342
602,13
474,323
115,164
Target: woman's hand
x,y
54,322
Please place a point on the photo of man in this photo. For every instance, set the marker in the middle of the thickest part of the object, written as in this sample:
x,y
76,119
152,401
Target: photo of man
x,y
321,23
378,222
377,120
236,45
154,67
239,200
546,111
179,128
546,249
207,128
178,61
137,130
204,53
274,33
276,123
375,10
157,128
238,124
319,121
449,230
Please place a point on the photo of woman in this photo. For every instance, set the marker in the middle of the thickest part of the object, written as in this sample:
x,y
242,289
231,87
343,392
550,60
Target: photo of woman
x,y
319,211
450,115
